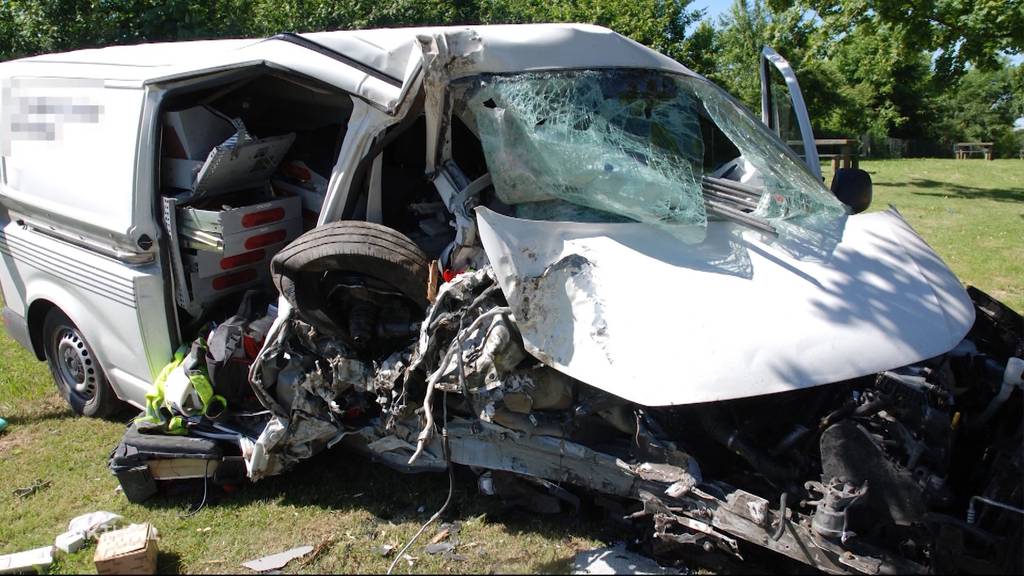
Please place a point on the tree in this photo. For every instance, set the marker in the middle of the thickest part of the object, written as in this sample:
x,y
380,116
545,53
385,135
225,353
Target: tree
x,y
982,108
39,26
749,26
886,88
962,32
700,51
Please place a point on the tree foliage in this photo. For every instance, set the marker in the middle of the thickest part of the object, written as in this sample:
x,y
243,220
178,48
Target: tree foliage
x,y
983,108
963,32
929,70
872,76
38,26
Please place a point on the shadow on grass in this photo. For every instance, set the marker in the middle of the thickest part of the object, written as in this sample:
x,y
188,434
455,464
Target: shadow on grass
x,y
54,413
58,410
948,189
343,481
168,563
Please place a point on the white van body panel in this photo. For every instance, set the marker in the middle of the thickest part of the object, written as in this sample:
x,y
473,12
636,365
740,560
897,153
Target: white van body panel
x,y
74,167
118,308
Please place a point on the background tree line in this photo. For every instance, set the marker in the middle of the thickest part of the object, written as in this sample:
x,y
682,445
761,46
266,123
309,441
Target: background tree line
x,y
912,76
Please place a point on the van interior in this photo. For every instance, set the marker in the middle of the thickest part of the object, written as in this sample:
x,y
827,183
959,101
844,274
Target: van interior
x,y
210,279
233,211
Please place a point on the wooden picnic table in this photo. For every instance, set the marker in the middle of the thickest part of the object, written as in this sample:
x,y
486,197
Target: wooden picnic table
x,y
847,155
965,150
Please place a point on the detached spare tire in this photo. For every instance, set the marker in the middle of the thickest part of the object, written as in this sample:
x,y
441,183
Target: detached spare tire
x,y
349,278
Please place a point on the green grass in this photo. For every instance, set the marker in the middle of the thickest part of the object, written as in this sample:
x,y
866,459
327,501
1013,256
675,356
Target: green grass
x,y
971,212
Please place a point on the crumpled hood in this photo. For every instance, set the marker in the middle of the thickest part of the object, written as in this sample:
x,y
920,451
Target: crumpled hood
x,y
628,309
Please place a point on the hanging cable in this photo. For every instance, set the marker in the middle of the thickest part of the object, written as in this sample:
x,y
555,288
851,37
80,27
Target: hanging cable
x,y
202,503
451,485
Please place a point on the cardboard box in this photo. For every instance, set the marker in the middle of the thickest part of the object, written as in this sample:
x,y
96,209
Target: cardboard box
x,y
246,241
197,131
206,263
130,550
241,218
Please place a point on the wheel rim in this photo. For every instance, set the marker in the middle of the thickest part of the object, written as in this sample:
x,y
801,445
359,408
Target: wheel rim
x,y
74,363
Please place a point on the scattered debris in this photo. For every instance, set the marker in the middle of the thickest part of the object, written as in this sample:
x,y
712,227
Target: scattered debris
x,y
70,542
440,536
130,550
31,488
616,561
323,545
93,523
277,561
386,550
3,424
83,528
439,548
34,559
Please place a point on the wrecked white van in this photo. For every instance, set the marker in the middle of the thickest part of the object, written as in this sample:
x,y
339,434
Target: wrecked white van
x,y
545,252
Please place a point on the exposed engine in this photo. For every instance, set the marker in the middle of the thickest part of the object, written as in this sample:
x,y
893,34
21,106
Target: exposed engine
x,y
911,470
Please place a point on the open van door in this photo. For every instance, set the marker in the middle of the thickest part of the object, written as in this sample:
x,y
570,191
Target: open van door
x,y
783,108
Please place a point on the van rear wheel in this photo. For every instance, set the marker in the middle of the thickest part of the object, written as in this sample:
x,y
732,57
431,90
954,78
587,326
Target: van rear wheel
x,y
78,375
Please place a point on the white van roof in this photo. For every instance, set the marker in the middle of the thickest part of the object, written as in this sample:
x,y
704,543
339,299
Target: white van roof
x,y
384,59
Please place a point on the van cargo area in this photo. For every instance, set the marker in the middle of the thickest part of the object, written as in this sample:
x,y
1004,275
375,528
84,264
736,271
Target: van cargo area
x,y
243,171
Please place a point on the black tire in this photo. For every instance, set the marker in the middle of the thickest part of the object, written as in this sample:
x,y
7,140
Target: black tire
x,y
75,369
364,248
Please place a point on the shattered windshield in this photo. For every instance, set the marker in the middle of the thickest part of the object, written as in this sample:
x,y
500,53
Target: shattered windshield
x,y
612,145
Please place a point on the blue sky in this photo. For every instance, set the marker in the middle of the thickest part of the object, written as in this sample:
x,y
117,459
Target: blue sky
x,y
712,8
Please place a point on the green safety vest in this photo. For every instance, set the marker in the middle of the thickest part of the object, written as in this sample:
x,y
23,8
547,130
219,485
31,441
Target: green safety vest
x,y
158,413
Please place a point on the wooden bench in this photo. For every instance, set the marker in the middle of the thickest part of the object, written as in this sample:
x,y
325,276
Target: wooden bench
x,y
845,152
965,150
848,155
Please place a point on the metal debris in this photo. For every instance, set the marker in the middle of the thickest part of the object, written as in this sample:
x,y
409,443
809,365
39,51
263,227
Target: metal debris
x,y
386,550
439,548
617,561
277,561
31,488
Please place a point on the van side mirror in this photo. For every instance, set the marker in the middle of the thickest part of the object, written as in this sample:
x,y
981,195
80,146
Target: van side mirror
x,y
853,187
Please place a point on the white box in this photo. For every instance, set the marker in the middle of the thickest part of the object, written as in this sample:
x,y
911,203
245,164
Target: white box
x,y
34,560
198,130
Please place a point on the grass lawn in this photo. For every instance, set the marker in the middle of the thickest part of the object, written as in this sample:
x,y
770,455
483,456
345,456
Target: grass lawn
x,y
971,212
